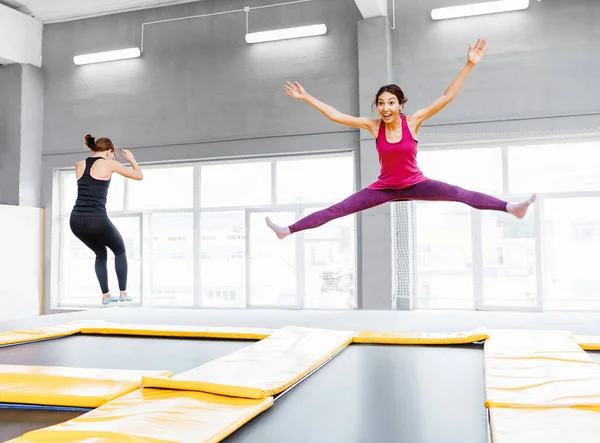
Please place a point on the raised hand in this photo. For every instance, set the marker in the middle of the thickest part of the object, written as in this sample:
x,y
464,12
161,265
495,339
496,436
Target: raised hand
x,y
476,53
127,155
295,90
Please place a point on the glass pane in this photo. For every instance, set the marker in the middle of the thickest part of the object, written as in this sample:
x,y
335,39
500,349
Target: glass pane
x,y
68,187
571,230
329,264
456,167
172,258
509,277
68,191
129,227
272,262
162,188
554,168
314,180
79,285
444,256
116,193
236,184
223,259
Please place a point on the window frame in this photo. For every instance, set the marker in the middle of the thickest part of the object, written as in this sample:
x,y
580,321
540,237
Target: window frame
x,y
404,298
58,244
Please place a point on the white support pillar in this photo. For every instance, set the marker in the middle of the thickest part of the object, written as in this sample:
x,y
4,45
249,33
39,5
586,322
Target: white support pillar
x,y
372,8
20,38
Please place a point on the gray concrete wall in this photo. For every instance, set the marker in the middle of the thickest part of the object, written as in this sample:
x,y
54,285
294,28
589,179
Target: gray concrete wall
x,y
10,135
198,81
32,138
539,75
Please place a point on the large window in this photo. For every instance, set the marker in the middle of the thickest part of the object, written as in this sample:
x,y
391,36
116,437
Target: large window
x,y
463,258
196,236
444,258
571,228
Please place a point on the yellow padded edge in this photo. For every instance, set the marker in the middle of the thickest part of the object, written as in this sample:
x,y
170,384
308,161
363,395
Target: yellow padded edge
x,y
155,416
420,338
60,386
557,425
262,369
588,342
176,331
539,369
28,335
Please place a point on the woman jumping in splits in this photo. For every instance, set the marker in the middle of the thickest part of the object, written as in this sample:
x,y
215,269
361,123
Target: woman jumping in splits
x,y
89,220
396,134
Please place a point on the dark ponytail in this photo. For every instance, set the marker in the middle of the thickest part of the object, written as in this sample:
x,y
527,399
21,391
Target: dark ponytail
x,y
90,142
100,145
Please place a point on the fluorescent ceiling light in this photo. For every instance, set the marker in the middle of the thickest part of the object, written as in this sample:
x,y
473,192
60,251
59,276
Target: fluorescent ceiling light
x,y
282,34
479,9
107,56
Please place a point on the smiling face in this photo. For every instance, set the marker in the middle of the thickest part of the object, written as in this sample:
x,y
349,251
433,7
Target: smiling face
x,y
389,101
388,106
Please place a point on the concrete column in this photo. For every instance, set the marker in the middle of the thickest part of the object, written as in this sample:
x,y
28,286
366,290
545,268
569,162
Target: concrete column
x,y
32,137
10,133
21,128
374,67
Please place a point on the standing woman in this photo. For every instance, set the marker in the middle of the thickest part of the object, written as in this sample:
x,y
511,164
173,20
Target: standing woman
x,y
396,136
89,219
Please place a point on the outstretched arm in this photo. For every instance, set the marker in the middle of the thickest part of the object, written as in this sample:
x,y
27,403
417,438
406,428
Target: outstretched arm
x,y
296,91
475,55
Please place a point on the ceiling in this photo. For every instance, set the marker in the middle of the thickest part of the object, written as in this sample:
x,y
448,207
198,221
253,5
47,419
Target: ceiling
x,y
49,11
52,11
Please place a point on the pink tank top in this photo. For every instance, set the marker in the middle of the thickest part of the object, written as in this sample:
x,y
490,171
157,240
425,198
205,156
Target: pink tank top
x,y
398,160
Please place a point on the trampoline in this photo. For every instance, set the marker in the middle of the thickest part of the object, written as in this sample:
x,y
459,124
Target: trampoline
x,y
102,352
120,352
381,393
16,422
255,385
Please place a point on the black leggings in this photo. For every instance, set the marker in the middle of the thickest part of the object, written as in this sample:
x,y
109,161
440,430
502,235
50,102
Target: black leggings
x,y
98,232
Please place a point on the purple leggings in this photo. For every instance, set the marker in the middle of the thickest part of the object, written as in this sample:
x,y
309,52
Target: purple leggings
x,y
426,190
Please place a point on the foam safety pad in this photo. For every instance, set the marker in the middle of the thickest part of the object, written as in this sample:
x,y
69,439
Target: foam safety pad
x,y
76,387
539,369
556,425
29,335
155,416
588,342
176,331
262,369
420,338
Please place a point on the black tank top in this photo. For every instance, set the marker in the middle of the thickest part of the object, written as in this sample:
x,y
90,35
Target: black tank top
x,y
91,193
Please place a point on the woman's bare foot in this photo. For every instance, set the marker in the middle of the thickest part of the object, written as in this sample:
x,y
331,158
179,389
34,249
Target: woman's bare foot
x,y
520,209
280,231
